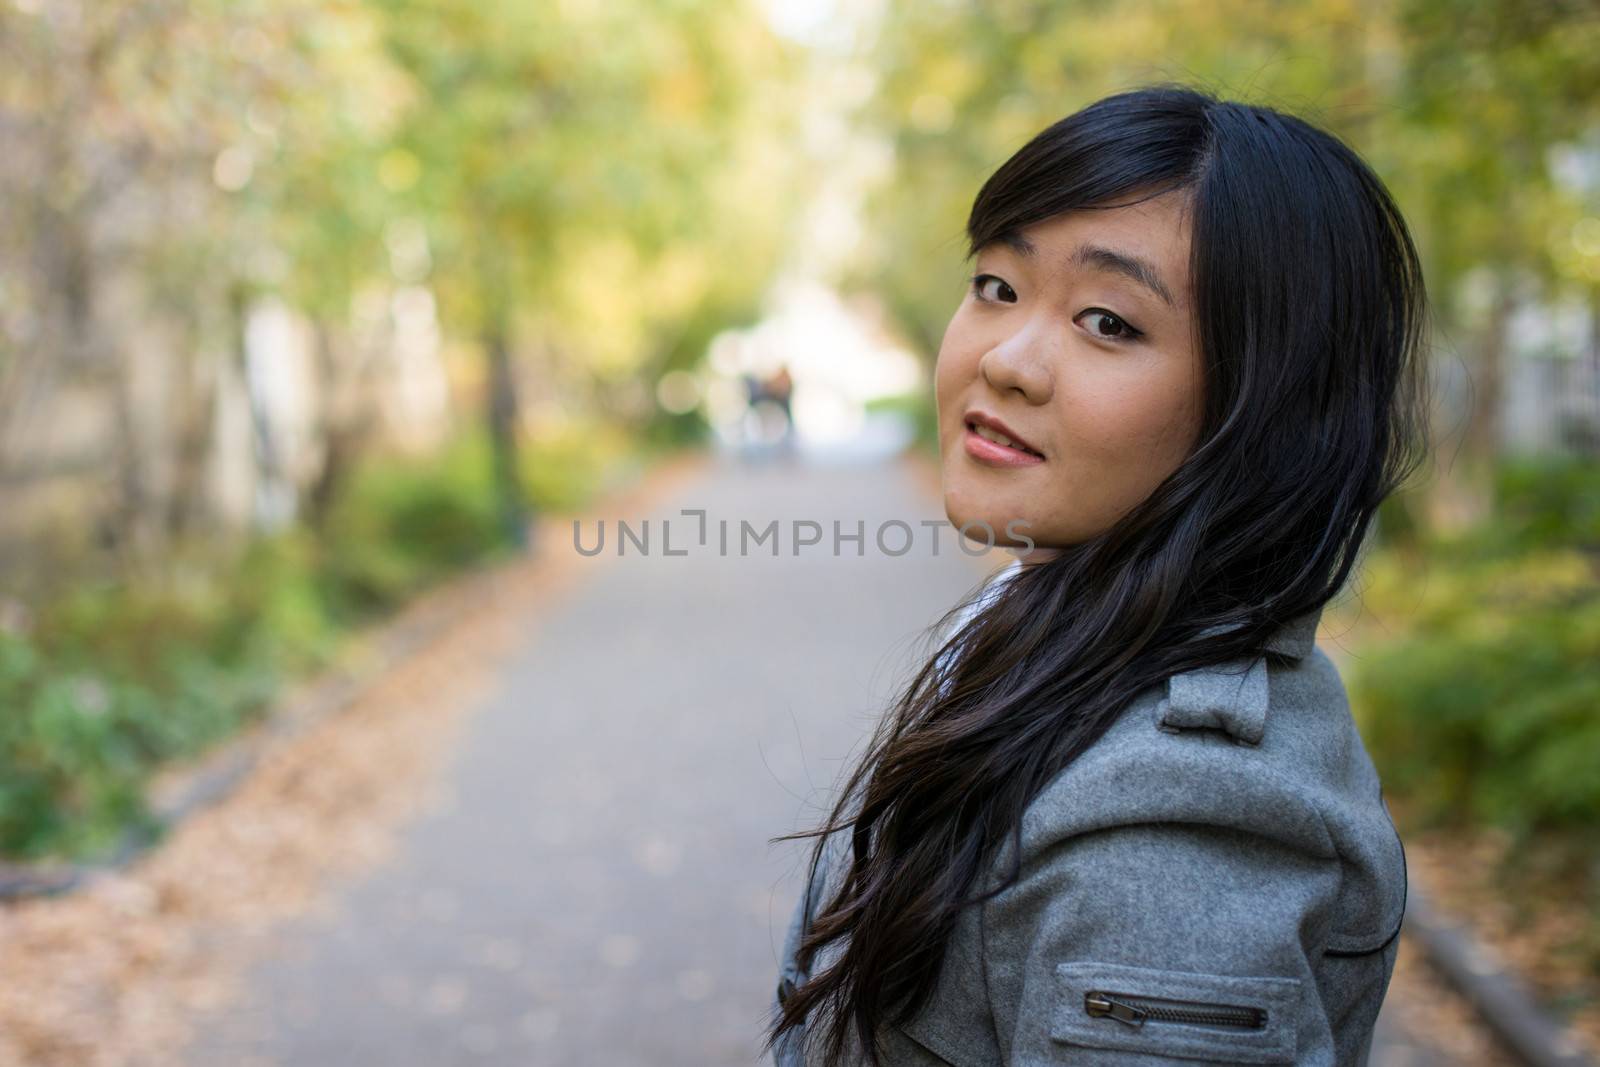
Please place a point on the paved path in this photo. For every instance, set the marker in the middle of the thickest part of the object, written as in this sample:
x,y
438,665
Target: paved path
x,y
602,891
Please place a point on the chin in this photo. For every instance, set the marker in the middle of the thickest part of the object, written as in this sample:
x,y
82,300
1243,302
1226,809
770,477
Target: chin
x,y
968,498
959,506
995,517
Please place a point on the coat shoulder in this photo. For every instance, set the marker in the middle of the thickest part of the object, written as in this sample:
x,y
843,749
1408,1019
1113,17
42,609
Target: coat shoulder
x,y
1266,748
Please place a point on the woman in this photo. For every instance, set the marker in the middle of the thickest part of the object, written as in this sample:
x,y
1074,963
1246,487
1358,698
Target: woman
x,y
1123,816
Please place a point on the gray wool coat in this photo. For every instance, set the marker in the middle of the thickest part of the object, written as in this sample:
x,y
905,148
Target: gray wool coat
x,y
1216,880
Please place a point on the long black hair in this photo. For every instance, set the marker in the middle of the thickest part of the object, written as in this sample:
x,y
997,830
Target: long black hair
x,y
1309,309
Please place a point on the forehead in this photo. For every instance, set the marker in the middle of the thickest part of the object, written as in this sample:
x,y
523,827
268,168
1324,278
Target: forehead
x,y
1154,231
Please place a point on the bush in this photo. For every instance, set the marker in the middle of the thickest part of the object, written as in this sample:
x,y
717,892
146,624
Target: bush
x,y
567,461
1480,703
401,525
1492,715
1547,502
116,678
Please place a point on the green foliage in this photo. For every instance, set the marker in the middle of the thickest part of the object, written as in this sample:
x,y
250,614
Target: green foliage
x,y
118,678
401,524
668,431
76,743
1547,501
1480,702
1491,714
1399,522
570,459
559,155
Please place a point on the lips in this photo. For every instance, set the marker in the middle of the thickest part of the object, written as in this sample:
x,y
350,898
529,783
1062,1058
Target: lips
x,y
991,429
991,445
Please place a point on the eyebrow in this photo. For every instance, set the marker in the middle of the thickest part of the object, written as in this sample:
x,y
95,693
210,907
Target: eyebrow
x,y
1099,257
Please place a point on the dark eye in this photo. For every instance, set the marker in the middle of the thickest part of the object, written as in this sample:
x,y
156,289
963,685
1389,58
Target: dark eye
x,y
1107,326
981,280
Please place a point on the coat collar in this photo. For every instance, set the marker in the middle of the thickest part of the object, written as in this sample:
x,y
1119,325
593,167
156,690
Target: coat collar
x,y
1233,696
1298,636
1295,638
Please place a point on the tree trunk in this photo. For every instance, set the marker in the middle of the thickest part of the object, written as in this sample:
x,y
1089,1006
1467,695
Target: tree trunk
x,y
1475,483
502,412
1589,436
343,423
196,414
1483,429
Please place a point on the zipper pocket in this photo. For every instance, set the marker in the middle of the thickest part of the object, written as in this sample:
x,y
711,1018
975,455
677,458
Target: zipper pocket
x,y
1135,1010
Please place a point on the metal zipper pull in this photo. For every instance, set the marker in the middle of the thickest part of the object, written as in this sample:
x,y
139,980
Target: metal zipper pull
x,y
1122,1007
1101,1006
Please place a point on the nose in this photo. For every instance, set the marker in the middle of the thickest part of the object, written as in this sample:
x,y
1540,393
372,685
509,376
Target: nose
x,y
1019,363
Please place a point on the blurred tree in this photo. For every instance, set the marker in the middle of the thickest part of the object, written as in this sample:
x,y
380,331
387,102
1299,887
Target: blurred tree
x,y
1488,91
591,192
569,161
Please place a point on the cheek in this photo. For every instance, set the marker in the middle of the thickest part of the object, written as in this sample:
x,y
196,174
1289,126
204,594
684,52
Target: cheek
x,y
1126,431
954,369
1147,420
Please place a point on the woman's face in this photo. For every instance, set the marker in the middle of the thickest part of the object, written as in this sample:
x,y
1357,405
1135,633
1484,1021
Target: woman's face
x,y
1079,341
